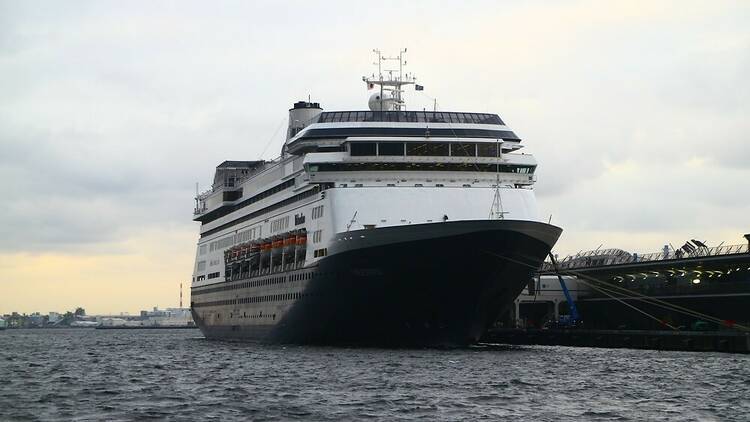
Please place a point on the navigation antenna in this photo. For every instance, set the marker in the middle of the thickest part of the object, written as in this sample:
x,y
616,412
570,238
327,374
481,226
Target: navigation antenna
x,y
391,84
496,210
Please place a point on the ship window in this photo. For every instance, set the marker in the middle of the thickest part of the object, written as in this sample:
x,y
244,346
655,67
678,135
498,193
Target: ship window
x,y
329,148
437,117
391,148
317,212
431,149
463,150
360,149
454,167
487,150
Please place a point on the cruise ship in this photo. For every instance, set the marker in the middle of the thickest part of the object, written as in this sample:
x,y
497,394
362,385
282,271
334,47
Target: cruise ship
x,y
383,227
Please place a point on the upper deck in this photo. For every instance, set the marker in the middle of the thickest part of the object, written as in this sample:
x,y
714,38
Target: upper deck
x,y
408,117
330,129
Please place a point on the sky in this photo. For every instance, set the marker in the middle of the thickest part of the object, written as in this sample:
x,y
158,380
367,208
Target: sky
x,y
110,112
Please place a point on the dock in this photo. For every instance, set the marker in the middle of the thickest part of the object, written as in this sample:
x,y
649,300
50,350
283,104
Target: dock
x,y
692,341
693,298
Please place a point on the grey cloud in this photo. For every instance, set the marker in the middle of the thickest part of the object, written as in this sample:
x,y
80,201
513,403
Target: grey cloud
x,y
111,112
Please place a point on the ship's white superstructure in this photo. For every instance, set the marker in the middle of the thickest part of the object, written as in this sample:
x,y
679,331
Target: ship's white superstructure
x,y
360,191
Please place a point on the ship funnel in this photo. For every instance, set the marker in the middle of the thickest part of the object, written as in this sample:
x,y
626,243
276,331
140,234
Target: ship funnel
x,y
300,115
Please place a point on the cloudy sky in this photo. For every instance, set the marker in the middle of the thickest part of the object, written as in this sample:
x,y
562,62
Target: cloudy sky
x,y
110,112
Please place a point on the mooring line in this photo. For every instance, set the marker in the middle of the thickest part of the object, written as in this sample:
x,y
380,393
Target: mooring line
x,y
635,296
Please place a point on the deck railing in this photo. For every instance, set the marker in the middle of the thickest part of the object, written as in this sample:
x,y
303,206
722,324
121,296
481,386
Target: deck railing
x,y
606,257
230,183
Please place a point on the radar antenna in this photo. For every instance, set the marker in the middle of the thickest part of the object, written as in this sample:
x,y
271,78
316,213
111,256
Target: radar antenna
x,y
496,210
392,83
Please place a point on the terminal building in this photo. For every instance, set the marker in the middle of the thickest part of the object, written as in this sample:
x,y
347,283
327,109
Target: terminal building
x,y
704,288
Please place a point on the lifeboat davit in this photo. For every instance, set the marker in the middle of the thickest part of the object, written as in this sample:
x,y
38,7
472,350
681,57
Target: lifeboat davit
x,y
289,247
243,250
254,256
276,250
265,253
300,244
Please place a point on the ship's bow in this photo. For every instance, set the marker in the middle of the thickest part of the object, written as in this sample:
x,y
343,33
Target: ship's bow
x,y
425,284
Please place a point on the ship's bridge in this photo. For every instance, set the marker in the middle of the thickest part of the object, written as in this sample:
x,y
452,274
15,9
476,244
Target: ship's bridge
x,y
329,131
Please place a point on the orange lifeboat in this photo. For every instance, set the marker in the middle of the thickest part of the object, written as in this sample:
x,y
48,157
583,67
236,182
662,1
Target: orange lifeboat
x,y
276,250
301,245
265,253
289,247
254,256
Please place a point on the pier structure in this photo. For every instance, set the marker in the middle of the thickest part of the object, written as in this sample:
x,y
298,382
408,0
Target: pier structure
x,y
709,281
694,297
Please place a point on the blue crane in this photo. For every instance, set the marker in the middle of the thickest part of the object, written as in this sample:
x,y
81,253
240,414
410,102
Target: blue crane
x,y
575,317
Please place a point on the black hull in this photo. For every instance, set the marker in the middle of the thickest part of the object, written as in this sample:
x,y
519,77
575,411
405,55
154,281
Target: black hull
x,y
431,284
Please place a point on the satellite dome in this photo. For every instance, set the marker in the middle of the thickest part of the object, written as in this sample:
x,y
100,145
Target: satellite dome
x,y
388,102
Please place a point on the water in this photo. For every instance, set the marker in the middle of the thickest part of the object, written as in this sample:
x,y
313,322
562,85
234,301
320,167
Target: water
x,y
90,374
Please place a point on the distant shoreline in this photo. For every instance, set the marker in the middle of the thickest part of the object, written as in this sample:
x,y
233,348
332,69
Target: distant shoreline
x,y
153,327
179,327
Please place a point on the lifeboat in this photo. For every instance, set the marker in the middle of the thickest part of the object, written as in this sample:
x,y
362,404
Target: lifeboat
x,y
289,247
300,245
244,269
265,253
254,256
235,271
276,250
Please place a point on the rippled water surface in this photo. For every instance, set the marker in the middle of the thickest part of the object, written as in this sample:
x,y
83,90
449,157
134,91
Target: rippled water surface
x,y
88,374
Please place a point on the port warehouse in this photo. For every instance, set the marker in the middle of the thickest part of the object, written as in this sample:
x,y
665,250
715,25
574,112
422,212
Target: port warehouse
x,y
711,281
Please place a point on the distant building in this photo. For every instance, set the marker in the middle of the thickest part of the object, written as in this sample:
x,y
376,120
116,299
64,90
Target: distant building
x,y
167,317
36,320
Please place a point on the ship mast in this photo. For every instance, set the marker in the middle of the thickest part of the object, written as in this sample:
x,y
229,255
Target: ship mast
x,y
496,209
393,82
